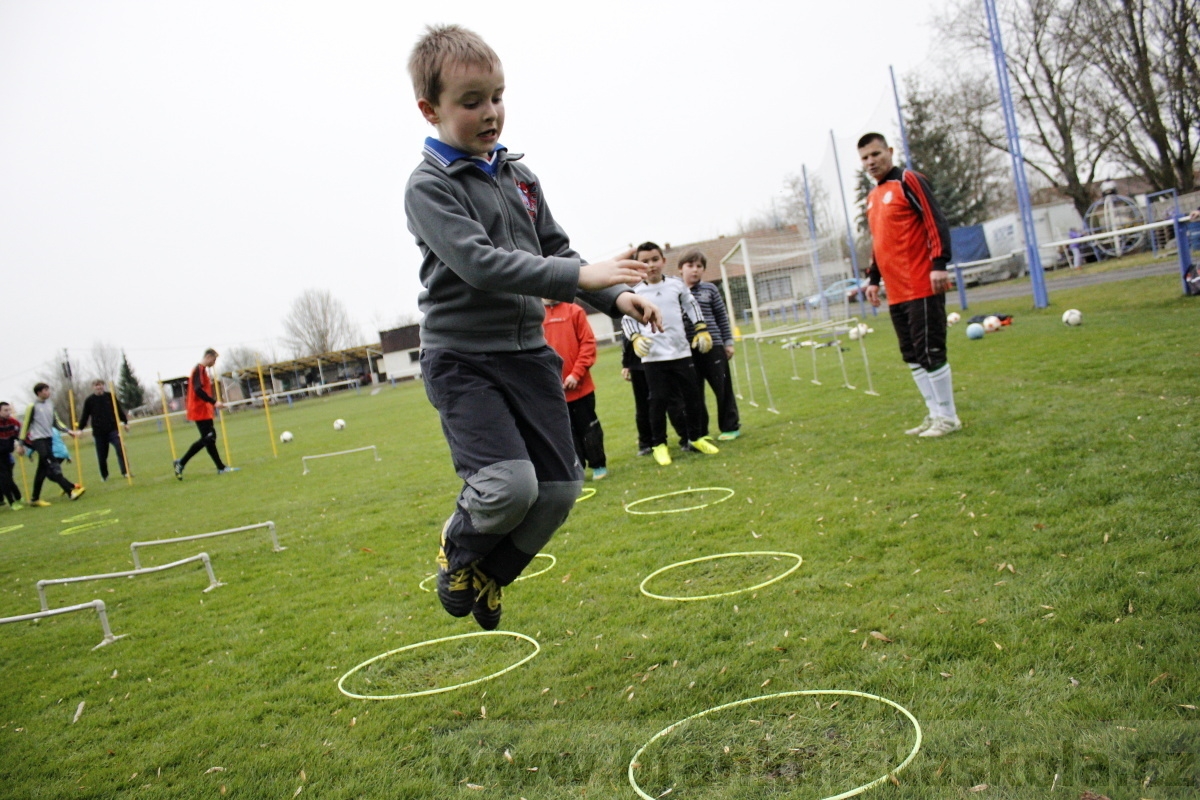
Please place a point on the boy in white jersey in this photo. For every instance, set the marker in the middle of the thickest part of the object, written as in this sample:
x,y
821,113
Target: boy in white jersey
x,y
667,356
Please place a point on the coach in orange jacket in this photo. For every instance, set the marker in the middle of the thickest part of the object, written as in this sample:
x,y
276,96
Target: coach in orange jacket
x,y
911,247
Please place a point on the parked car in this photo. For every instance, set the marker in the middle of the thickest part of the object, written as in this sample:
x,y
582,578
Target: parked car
x,y
836,293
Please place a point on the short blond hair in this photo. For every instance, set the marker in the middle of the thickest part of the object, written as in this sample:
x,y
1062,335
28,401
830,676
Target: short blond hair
x,y
442,46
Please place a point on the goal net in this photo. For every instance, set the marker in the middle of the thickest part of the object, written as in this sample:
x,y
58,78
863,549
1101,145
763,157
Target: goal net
x,y
784,278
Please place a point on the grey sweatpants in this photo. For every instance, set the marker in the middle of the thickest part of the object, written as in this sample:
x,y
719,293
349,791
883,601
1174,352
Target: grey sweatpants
x,y
505,418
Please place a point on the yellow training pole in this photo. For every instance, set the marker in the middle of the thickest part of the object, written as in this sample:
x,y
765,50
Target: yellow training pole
x,y
24,476
266,407
221,416
74,423
112,392
167,418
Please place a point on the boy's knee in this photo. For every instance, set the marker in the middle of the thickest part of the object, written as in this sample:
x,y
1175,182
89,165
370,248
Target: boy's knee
x,y
554,503
497,497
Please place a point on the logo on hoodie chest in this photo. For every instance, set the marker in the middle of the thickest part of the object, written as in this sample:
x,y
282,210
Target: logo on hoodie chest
x,y
529,194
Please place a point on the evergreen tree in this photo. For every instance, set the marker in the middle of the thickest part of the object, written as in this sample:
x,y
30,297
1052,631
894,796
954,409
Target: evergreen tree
x,y
960,171
129,390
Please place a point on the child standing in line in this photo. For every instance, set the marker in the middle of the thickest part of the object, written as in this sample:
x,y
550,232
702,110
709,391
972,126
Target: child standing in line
x,y
490,249
568,331
667,357
633,372
10,443
713,366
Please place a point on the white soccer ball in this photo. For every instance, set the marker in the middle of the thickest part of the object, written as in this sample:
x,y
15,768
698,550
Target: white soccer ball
x,y
855,334
991,324
953,318
1072,317
285,437
339,424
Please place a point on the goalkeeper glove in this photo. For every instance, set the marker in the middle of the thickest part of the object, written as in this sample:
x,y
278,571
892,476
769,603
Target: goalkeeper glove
x,y
641,345
702,341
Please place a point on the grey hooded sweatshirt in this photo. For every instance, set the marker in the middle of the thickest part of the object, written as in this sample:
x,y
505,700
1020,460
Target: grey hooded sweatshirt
x,y
491,250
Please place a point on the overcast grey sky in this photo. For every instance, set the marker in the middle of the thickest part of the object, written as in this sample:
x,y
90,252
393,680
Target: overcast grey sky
x,y
173,174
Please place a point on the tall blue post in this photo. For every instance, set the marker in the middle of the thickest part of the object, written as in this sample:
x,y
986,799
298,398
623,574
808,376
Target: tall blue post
x,y
862,309
1033,258
908,162
812,235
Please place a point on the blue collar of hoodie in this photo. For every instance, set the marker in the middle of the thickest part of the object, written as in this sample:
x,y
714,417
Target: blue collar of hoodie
x,y
447,155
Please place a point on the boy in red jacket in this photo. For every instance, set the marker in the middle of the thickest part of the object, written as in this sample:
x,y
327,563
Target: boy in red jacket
x,y
569,333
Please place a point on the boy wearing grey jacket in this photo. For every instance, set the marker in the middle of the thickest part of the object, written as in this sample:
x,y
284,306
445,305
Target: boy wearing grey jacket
x,y
490,251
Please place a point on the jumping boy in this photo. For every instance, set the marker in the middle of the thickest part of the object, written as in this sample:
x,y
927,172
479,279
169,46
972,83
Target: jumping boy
x,y
910,252
569,333
667,357
713,367
490,250
200,405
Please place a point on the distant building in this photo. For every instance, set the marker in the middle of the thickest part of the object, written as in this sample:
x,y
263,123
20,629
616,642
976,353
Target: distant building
x,y
401,352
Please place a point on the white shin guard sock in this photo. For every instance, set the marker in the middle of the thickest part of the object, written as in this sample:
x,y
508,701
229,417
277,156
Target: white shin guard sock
x,y
925,386
943,391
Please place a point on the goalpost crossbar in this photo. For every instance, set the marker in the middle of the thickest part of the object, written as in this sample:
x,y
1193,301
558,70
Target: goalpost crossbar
x,y
130,573
269,525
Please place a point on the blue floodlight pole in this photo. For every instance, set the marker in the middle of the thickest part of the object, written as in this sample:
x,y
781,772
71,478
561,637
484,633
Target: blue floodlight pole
x,y
908,162
1033,257
812,235
849,230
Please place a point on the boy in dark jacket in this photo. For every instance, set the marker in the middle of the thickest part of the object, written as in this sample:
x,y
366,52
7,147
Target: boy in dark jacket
x,y
10,443
490,251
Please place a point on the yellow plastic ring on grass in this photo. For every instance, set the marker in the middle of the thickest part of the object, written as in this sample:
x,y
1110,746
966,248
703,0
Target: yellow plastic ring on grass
x,y
87,526
629,506
816,692
661,570
537,648
543,571
11,528
86,514
588,491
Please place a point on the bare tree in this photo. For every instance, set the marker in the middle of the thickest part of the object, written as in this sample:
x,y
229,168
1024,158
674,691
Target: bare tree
x,y
791,208
317,323
1066,135
106,361
1147,49
243,359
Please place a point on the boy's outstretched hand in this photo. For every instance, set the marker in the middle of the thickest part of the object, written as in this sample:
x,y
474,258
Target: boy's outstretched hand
x,y
641,309
603,274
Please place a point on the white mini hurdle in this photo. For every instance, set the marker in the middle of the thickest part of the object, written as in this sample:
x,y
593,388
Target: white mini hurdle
x,y
212,579
304,459
51,612
269,525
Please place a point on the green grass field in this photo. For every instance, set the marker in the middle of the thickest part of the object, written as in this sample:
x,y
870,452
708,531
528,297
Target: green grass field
x,y
1032,580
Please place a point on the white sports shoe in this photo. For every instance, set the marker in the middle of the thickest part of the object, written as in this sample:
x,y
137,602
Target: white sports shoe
x,y
941,426
925,425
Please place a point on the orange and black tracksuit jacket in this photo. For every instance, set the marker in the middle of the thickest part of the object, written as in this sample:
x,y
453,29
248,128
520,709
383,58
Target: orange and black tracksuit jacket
x,y
200,398
911,235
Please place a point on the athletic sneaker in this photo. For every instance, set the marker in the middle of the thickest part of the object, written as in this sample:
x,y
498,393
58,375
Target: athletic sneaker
x,y
941,426
925,425
77,492
729,436
645,451
227,470
661,455
705,445
16,506
599,473
39,503
178,469
453,588
487,602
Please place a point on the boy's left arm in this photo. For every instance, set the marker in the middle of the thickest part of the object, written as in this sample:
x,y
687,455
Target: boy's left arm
x,y
555,242
702,340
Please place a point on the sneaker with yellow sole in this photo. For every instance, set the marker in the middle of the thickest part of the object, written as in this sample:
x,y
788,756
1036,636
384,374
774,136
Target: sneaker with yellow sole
x,y
661,455
39,503
705,445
